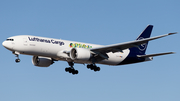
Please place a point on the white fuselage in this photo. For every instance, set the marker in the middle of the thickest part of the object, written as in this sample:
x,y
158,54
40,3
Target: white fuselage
x,y
55,48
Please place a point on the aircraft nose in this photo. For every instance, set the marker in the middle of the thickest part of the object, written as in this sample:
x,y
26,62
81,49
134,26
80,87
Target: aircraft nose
x,y
7,45
4,44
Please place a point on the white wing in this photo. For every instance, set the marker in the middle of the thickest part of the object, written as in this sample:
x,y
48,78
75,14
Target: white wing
x,y
121,46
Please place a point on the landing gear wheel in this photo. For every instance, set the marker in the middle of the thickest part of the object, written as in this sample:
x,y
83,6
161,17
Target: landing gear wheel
x,y
17,60
97,69
76,72
93,67
71,70
67,69
89,67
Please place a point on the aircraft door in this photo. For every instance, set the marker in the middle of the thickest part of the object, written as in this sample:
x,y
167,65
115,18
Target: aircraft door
x,y
25,42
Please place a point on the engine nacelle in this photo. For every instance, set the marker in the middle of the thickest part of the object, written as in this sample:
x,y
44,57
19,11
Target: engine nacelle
x,y
42,61
80,54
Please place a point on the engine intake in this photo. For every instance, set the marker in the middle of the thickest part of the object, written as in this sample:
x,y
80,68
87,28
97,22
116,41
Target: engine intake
x,y
80,54
42,61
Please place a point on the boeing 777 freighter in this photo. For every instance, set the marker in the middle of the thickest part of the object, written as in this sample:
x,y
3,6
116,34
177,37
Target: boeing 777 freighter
x,y
47,50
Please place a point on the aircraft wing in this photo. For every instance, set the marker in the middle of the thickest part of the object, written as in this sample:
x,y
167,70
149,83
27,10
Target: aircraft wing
x,y
121,46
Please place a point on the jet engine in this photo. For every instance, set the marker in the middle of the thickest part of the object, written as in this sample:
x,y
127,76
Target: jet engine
x,y
80,54
42,61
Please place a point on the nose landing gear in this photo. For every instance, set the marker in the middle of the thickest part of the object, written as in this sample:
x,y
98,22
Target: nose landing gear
x,y
17,55
17,60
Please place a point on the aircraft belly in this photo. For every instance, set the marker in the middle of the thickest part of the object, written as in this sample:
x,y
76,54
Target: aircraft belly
x,y
114,58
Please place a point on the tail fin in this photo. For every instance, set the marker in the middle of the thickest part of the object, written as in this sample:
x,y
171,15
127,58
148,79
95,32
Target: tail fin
x,y
141,49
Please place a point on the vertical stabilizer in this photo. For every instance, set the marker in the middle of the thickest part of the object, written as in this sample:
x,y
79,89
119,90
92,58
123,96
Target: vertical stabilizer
x,y
146,33
141,49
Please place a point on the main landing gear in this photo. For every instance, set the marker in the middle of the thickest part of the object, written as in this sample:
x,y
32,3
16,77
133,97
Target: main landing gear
x,y
71,69
93,67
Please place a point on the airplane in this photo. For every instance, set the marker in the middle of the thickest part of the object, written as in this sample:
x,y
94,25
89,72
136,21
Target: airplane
x,y
47,50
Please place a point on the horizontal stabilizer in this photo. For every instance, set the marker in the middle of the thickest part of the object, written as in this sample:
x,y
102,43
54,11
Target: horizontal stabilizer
x,y
152,55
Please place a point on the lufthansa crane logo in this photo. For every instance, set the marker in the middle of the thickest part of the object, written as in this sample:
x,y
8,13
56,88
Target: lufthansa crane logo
x,y
143,46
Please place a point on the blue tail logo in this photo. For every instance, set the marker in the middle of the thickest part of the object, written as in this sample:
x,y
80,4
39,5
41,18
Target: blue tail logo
x,y
141,49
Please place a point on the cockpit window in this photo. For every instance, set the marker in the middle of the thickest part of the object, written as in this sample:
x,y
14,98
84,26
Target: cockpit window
x,y
9,39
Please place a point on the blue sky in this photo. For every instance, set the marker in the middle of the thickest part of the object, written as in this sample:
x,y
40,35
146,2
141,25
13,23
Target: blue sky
x,y
93,21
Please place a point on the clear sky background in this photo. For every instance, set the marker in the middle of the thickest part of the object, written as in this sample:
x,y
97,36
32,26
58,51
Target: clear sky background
x,y
102,22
